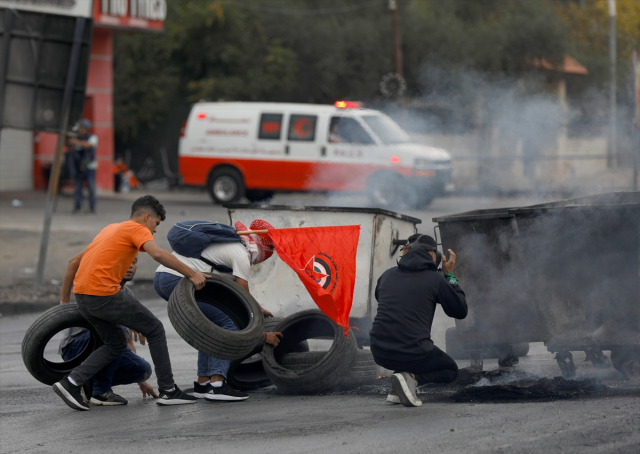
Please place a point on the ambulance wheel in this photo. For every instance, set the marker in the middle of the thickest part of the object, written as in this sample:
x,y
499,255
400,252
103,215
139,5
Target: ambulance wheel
x,y
49,324
204,335
226,185
384,189
324,374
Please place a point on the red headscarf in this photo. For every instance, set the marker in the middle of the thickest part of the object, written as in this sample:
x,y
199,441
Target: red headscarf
x,y
262,241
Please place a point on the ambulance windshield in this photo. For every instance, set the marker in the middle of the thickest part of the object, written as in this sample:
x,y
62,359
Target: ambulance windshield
x,y
386,129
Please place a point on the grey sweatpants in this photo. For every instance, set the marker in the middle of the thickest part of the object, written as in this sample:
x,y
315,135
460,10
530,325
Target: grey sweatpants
x,y
106,313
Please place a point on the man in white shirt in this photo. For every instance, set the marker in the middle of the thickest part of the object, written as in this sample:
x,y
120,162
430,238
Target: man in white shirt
x,y
238,257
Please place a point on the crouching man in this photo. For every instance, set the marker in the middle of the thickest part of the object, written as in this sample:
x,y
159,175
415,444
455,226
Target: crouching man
x,y
401,335
126,369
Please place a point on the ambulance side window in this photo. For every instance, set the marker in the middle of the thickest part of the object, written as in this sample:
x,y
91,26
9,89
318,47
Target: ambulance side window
x,y
270,126
348,130
302,128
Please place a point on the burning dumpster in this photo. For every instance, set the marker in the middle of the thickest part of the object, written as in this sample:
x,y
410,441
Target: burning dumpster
x,y
566,273
278,289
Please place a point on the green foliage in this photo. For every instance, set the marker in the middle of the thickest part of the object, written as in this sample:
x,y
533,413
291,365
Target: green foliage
x,y
294,50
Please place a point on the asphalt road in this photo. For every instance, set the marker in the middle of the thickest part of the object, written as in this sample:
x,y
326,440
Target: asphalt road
x,y
33,419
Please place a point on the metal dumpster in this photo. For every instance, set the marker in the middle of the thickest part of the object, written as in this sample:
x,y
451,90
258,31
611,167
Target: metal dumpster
x,y
566,273
276,286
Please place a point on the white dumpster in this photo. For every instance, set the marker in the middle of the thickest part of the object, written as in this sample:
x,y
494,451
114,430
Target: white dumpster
x,y
278,288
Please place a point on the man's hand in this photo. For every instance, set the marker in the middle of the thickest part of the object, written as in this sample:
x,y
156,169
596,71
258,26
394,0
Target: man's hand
x,y
198,280
448,265
266,312
272,338
146,388
137,337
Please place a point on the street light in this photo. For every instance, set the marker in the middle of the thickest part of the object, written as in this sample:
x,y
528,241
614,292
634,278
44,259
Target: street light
x,y
611,145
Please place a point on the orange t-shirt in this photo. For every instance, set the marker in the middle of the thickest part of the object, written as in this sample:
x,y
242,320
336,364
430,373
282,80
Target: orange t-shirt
x,y
108,258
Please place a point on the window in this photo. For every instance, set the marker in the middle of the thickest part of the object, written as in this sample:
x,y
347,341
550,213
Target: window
x,y
270,126
302,127
386,129
348,130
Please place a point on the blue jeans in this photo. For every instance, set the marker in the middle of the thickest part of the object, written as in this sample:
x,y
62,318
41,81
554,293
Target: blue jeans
x,y
164,283
125,369
89,176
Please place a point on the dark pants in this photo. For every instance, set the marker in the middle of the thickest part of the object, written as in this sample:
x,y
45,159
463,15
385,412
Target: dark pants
x,y
165,283
126,369
437,367
89,176
106,313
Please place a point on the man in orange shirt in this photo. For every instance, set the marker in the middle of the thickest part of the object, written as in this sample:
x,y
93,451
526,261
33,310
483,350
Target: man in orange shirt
x,y
96,274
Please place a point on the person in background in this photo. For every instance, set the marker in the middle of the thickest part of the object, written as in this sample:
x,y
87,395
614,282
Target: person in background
x,y
401,335
126,369
83,149
236,258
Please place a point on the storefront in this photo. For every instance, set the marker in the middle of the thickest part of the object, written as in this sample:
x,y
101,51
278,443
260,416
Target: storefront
x,y
109,17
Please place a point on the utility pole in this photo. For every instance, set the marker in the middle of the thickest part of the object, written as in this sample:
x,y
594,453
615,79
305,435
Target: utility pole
x,y
397,50
611,145
74,62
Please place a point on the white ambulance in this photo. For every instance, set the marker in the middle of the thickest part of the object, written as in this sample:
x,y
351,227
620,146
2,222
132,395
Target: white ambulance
x,y
237,149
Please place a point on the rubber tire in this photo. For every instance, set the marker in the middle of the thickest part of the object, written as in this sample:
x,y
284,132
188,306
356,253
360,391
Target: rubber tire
x,y
248,373
229,172
42,330
384,182
457,351
255,196
204,335
323,375
363,372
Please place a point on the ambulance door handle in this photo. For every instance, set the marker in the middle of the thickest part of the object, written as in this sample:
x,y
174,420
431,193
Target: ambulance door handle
x,y
286,149
323,151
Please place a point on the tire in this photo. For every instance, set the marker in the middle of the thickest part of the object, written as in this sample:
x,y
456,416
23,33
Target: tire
x,y
226,185
248,373
204,335
324,374
255,196
454,348
384,189
42,330
363,372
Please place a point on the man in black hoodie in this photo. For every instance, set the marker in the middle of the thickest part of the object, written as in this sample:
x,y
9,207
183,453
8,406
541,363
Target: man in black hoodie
x,y
401,335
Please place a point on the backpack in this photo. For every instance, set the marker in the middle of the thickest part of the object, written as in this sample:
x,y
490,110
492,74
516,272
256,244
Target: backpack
x,y
190,238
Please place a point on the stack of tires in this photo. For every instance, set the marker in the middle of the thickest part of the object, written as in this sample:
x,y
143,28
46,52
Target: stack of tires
x,y
290,366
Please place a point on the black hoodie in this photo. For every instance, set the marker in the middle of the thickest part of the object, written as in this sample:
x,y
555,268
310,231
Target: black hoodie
x,y
407,296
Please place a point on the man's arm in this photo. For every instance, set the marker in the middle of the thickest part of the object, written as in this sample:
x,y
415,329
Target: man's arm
x,y
452,299
79,143
170,261
69,276
245,285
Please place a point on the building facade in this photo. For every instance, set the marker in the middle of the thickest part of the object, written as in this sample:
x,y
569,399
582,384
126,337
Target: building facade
x,y
26,157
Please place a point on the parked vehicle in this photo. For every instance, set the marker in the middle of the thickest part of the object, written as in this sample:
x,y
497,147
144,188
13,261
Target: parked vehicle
x,y
237,149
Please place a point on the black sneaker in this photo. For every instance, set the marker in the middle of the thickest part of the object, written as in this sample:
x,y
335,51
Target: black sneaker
x,y
201,391
175,397
108,398
71,394
225,393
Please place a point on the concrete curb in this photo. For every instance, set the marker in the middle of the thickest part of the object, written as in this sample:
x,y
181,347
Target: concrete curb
x,y
26,307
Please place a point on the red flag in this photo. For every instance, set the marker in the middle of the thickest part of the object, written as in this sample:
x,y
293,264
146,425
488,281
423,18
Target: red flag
x,y
324,258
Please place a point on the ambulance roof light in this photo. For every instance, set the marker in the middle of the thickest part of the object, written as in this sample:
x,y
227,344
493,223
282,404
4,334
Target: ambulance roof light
x,y
348,104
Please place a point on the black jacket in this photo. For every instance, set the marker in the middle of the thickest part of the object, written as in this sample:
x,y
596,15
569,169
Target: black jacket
x,y
407,296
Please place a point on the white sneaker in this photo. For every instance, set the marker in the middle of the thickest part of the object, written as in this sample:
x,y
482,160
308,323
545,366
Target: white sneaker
x,y
404,387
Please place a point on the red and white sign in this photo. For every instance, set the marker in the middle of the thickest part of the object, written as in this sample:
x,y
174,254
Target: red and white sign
x,y
130,14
